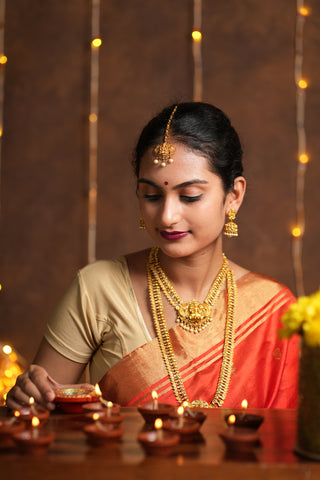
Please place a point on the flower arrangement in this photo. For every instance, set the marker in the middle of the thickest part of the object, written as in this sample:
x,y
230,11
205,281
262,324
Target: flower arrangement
x,y
303,318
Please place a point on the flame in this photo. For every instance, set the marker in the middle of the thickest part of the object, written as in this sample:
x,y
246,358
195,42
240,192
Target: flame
x,y
31,401
35,422
96,416
16,413
97,390
244,403
109,404
154,395
231,419
180,410
158,423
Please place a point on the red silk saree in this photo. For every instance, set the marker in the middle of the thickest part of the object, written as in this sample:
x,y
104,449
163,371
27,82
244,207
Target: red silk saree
x,y
264,366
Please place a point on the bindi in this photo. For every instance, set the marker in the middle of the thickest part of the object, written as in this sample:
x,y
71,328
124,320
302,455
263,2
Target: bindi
x,y
166,183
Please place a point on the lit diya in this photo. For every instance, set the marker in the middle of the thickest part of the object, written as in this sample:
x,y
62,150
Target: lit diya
x,y
152,410
107,415
185,427
34,441
101,434
189,412
9,427
239,439
246,420
102,405
71,398
158,442
28,412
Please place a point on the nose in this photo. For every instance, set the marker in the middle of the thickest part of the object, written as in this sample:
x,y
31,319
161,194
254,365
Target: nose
x,y
170,212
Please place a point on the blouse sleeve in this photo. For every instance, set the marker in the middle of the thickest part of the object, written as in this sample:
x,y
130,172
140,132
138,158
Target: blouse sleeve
x,y
72,330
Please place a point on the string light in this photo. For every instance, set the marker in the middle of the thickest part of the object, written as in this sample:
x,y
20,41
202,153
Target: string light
x,y
11,365
3,61
96,42
298,230
197,51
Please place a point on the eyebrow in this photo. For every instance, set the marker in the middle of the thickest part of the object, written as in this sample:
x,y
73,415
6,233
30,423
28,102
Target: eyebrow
x,y
181,185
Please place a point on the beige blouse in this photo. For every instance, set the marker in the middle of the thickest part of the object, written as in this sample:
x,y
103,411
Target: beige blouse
x,y
98,320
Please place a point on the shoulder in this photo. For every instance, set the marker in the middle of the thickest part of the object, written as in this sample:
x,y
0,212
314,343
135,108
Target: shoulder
x,y
103,267
105,276
262,291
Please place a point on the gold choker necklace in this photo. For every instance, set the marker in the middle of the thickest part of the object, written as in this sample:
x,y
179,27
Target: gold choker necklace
x,y
166,346
192,316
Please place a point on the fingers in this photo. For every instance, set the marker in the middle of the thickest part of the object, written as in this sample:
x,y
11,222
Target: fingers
x,y
32,383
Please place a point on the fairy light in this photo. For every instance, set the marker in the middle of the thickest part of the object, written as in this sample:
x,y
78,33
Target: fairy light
x,y
197,50
3,61
96,42
11,365
298,230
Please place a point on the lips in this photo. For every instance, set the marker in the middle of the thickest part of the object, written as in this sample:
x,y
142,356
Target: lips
x,y
173,235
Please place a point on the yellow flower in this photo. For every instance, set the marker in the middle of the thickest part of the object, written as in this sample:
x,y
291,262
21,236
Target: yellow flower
x,y
303,317
311,333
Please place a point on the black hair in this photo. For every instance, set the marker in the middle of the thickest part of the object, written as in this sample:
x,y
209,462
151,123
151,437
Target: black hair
x,y
200,127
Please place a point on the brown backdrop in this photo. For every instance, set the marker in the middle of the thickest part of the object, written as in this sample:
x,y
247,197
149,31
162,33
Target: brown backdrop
x,y
145,64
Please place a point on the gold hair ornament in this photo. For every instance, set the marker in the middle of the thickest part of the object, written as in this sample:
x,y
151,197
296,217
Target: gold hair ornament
x,y
164,151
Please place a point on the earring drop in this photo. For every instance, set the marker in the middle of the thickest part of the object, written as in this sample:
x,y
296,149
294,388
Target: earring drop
x,y
142,225
231,228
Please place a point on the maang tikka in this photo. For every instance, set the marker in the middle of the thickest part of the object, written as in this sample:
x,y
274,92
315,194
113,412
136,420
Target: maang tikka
x,y
163,152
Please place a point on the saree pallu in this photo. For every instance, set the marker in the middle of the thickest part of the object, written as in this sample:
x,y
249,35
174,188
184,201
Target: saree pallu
x,y
265,367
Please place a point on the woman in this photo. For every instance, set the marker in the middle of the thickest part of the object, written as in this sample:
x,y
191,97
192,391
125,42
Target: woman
x,y
179,318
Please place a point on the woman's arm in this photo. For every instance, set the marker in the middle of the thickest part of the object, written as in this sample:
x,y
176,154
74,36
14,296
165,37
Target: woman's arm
x,y
49,369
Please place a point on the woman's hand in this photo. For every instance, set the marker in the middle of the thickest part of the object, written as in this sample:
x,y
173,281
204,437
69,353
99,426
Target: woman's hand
x,y
34,382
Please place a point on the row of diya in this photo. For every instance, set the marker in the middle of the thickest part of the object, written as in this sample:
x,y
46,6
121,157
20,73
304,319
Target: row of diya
x,y
166,426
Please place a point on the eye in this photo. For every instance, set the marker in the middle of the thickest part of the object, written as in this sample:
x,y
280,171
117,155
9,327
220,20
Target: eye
x,y
190,199
151,198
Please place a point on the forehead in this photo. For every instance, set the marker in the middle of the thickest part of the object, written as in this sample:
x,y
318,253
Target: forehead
x,y
187,164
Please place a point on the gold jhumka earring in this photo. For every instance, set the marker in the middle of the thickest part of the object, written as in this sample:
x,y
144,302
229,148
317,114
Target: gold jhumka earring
x,y
231,228
163,152
142,225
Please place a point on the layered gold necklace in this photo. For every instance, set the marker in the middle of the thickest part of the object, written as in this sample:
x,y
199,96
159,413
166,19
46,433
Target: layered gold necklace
x,y
192,316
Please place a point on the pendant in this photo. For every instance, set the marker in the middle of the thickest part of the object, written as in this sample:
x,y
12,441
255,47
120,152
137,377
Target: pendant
x,y
194,316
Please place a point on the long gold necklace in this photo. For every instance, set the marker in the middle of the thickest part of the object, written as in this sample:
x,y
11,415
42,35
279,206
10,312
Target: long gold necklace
x,y
166,346
192,316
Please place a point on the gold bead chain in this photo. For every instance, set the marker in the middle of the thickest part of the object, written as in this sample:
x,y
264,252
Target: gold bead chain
x,y
167,349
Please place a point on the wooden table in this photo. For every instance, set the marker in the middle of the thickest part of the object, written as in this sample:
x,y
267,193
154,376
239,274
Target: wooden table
x,y
70,457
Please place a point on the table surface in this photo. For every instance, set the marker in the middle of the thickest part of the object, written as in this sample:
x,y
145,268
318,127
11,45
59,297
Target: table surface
x,y
70,456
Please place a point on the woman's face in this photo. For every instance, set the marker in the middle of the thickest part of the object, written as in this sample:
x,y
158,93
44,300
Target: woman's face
x,y
183,204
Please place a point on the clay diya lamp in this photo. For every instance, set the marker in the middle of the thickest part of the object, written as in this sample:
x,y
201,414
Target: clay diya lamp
x,y
27,413
102,404
105,416
9,427
246,420
185,427
190,413
103,434
153,410
71,398
239,439
158,442
34,441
